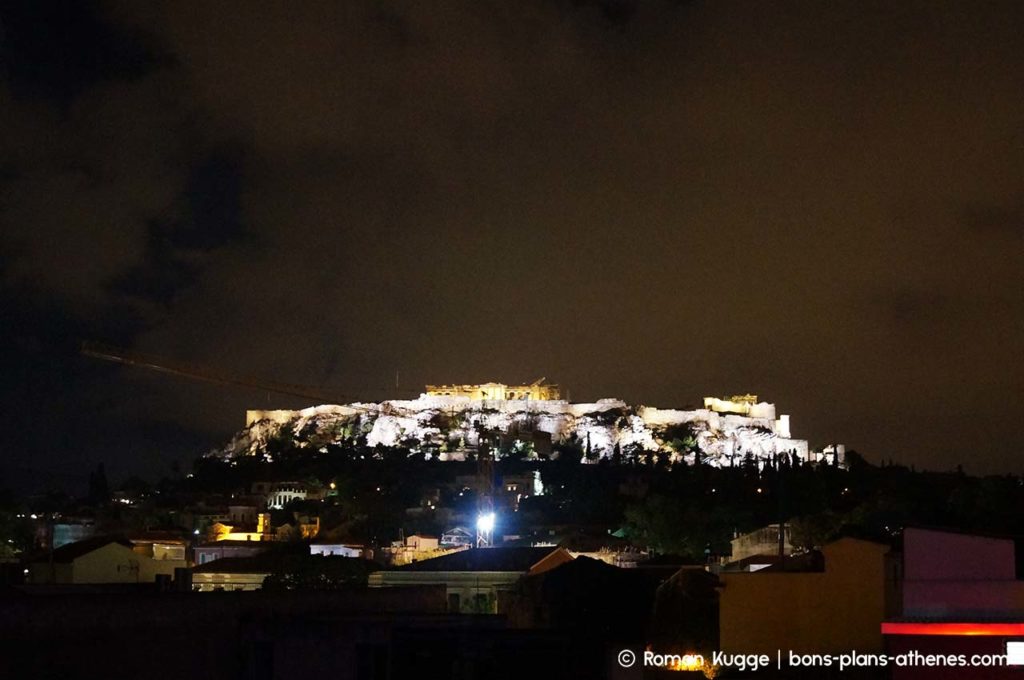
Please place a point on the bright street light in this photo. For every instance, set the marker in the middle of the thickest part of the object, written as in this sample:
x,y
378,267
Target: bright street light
x,y
485,523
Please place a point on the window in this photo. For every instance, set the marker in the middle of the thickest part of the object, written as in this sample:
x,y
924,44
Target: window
x,y
453,602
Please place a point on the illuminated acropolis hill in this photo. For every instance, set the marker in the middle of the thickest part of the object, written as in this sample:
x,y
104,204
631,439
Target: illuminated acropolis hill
x,y
538,390
449,420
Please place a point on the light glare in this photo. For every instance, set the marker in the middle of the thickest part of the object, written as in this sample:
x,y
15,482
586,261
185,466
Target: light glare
x,y
485,522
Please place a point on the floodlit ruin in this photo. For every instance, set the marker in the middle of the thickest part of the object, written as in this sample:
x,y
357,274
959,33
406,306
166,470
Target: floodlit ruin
x,y
725,432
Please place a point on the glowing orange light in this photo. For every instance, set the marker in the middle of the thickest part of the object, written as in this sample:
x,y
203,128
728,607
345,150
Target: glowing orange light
x,y
1004,629
688,662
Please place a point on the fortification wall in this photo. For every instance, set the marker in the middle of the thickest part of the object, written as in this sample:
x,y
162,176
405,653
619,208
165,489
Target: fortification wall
x,y
279,416
724,438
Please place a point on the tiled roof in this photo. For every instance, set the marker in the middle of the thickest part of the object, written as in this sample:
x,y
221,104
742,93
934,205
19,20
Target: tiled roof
x,y
72,551
258,564
483,559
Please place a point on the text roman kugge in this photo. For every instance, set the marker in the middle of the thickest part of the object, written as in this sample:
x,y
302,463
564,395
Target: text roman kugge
x,y
741,662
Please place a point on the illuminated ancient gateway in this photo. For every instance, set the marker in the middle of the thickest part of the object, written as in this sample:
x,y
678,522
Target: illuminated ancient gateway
x,y
538,390
448,421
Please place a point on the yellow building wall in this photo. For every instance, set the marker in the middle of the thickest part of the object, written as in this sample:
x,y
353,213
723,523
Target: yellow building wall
x,y
835,611
113,563
253,536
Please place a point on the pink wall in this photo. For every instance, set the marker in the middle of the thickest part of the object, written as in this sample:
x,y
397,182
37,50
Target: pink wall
x,y
950,575
962,599
938,555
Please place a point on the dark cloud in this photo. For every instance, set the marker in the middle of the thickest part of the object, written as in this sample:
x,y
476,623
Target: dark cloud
x,y
910,306
652,200
208,215
57,49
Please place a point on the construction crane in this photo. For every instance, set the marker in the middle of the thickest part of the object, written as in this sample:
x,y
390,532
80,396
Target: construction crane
x,y
485,500
202,373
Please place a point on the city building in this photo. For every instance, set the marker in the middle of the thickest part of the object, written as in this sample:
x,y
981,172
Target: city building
x,y
457,537
283,493
340,550
96,560
261,531
416,548
834,608
960,595
350,633
514,488
160,545
68,531
763,541
215,550
588,596
290,567
304,527
201,518
231,573
474,579
596,545
243,514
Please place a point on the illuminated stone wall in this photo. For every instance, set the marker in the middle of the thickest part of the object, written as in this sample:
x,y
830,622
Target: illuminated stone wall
x,y
451,426
279,416
537,391
744,404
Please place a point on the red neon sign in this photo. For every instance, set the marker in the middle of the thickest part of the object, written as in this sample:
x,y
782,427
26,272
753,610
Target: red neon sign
x,y
1003,629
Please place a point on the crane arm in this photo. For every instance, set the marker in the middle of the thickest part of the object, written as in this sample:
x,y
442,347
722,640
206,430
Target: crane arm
x,y
193,372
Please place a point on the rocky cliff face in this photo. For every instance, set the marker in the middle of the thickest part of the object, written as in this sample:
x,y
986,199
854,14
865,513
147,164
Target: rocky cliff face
x,y
452,427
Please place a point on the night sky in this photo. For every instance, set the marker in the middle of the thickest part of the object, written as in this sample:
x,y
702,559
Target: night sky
x,y
818,202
